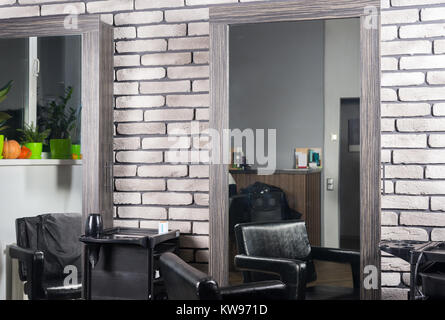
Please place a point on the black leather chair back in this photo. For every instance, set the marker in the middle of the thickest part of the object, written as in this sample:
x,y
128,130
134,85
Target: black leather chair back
x,y
57,236
239,211
183,282
277,239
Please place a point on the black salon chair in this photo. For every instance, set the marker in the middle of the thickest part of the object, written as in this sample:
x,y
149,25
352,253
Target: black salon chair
x,y
258,205
281,250
184,282
46,245
239,212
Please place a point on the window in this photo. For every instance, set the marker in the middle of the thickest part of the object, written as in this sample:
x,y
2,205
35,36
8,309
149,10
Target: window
x,y
42,69
14,65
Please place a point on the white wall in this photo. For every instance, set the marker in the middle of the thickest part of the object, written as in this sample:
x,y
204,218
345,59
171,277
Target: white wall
x,y
32,190
342,80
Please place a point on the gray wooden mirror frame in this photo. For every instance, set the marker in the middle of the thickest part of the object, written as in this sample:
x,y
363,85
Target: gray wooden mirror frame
x,y
221,17
97,100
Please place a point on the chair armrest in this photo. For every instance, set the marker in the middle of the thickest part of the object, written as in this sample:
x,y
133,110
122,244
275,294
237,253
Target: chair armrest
x,y
21,254
34,268
291,272
335,255
263,290
342,256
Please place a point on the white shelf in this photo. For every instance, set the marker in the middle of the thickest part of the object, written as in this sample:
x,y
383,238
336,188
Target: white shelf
x,y
39,162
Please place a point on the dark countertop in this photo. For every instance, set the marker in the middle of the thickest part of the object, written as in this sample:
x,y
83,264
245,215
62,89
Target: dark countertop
x,y
278,171
409,250
136,236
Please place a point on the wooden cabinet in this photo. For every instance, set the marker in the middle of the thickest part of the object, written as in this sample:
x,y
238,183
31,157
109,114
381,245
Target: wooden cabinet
x,y
302,188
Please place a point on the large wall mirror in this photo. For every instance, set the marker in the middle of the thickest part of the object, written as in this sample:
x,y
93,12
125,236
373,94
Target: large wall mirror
x,y
297,87
60,93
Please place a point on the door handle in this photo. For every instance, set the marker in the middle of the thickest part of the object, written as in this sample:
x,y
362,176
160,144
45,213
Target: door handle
x,y
108,183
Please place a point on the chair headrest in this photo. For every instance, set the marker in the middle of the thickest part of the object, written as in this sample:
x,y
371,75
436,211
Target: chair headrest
x,y
284,238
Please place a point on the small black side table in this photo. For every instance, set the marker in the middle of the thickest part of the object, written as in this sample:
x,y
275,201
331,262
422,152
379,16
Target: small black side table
x,y
126,263
410,251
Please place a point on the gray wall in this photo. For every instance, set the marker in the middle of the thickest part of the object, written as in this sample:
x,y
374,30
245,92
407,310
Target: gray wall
x,y
276,82
342,80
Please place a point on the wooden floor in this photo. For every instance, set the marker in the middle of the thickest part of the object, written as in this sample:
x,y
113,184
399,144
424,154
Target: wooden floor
x,y
328,274
333,274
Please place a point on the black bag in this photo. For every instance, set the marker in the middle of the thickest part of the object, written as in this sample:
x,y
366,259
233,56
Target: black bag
x,y
268,203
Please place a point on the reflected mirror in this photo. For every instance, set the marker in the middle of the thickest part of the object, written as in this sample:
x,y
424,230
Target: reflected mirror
x,y
41,69
42,108
294,115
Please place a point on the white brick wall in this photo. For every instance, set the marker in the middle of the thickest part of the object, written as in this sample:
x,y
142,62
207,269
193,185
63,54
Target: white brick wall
x,y
413,75
162,83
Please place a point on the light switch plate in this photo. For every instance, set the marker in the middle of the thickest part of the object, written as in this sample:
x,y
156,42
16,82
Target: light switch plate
x,y
330,184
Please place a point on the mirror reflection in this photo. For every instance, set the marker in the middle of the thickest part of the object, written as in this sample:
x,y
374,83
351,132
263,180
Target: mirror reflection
x,y
40,164
40,70
294,114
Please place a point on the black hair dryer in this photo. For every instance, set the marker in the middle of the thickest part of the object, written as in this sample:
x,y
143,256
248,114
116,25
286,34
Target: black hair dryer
x,y
93,228
94,225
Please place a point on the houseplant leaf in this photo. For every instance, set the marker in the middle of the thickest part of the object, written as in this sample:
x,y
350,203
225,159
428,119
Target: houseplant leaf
x,y
4,116
5,90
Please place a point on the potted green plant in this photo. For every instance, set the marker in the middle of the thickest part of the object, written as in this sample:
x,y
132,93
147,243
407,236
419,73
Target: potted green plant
x,y
3,115
33,139
60,120
75,136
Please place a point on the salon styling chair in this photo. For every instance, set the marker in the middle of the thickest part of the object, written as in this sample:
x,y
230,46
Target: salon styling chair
x,y
281,250
49,255
184,282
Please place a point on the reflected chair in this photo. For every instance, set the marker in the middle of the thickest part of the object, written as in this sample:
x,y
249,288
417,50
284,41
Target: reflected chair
x,y
49,254
184,282
281,250
239,212
256,207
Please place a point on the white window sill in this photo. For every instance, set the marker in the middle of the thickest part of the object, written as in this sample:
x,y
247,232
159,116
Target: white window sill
x,y
39,162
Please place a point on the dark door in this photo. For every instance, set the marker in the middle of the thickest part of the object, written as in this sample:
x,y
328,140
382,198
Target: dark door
x,y
350,173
